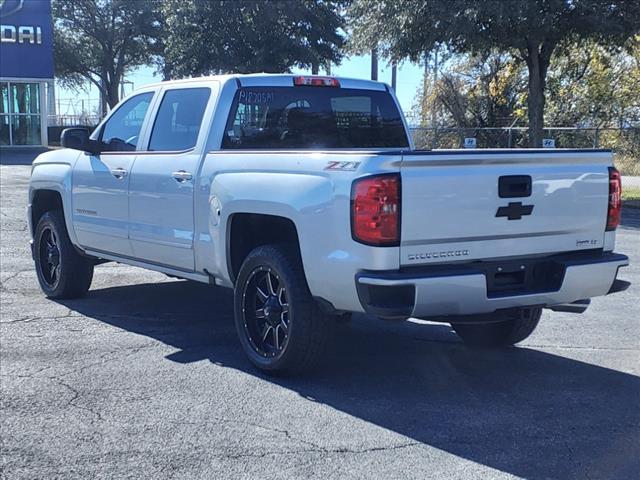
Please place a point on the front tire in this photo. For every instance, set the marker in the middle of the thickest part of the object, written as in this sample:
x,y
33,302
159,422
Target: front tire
x,y
500,334
62,271
280,327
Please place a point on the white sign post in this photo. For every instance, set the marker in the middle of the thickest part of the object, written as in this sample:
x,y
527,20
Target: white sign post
x,y
470,142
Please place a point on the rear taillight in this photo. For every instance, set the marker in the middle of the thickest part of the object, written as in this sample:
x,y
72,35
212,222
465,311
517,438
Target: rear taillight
x,y
316,81
375,210
615,199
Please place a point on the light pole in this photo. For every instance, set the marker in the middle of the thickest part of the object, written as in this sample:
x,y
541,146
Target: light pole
x,y
374,63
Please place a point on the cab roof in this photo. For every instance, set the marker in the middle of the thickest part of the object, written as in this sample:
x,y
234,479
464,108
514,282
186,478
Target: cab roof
x,y
272,80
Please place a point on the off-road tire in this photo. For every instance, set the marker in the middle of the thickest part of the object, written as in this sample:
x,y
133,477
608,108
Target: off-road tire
x,y
500,334
308,328
74,273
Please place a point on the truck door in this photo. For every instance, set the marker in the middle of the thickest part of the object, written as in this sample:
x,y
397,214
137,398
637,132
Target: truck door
x,y
100,183
163,178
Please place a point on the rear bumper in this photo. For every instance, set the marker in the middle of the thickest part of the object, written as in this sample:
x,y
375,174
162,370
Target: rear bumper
x,y
478,288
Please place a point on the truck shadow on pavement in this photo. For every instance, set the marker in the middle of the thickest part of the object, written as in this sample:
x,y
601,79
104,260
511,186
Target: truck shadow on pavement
x,y
522,411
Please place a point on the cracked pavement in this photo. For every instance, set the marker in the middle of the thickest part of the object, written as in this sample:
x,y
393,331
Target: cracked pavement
x,y
144,378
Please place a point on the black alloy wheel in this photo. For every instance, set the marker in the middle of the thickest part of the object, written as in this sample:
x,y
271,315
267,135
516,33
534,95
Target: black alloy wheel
x,y
63,272
49,257
280,326
266,312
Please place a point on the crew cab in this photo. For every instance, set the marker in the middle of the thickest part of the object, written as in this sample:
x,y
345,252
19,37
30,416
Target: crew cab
x,y
305,195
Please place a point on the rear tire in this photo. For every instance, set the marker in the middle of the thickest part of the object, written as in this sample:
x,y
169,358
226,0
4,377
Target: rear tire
x,y
500,334
62,271
281,328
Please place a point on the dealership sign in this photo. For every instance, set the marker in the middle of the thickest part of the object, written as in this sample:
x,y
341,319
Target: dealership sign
x,y
26,35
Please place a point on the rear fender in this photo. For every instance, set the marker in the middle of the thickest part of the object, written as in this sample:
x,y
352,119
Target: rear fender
x,y
298,199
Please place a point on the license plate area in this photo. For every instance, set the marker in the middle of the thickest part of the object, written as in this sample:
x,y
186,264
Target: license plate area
x,y
523,277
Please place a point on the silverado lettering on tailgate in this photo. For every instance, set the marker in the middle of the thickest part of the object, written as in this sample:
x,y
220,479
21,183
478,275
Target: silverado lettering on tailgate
x,y
443,254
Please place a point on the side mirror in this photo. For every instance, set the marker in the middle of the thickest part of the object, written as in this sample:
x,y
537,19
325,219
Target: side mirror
x,y
78,139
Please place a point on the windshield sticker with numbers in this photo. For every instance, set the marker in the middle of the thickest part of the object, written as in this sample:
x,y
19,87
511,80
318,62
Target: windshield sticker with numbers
x,y
256,98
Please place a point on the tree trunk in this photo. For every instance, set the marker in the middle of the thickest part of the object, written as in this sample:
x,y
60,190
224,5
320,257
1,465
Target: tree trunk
x,y
537,59
111,84
103,98
112,93
535,103
394,75
315,68
167,70
435,105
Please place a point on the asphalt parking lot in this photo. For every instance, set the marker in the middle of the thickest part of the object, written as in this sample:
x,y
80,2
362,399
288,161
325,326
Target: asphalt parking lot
x,y
144,378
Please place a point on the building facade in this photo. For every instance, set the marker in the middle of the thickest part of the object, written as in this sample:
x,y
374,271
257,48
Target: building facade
x,y
26,72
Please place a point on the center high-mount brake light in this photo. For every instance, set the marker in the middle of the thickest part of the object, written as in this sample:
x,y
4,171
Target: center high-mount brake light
x,y
614,209
316,81
375,210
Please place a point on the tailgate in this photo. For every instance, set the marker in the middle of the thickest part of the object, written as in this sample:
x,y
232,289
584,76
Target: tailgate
x,y
461,206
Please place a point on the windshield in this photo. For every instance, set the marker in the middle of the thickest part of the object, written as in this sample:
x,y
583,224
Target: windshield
x,y
304,117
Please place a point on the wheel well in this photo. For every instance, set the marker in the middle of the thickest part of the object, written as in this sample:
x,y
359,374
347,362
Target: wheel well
x,y
44,201
247,231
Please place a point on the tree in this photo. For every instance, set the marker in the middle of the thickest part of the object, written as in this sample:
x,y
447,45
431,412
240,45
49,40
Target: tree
x,y
100,40
471,91
474,91
597,87
593,86
244,36
531,29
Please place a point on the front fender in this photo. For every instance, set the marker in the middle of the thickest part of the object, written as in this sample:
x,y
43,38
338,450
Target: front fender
x,y
52,171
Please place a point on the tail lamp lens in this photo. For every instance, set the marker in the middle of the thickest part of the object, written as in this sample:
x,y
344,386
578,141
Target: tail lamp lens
x,y
375,210
615,199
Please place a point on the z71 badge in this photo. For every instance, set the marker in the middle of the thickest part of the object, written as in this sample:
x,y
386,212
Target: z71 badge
x,y
343,166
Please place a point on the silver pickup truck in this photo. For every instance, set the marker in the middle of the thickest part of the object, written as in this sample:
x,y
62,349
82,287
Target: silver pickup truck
x,y
306,195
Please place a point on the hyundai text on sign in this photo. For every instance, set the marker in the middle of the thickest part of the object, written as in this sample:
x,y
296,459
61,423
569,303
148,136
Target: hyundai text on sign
x,y
26,39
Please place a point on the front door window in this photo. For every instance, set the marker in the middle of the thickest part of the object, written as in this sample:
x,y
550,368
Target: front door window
x,y
122,130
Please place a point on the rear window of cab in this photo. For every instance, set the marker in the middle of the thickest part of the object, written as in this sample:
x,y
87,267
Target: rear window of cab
x,y
310,117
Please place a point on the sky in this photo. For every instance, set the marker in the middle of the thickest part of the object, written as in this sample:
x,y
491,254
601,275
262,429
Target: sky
x,y
409,79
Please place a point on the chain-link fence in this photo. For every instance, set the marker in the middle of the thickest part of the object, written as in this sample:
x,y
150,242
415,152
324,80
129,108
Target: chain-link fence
x,y
517,137
625,142
73,120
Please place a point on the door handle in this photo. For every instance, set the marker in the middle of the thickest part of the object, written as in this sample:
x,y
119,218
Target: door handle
x,y
119,173
182,176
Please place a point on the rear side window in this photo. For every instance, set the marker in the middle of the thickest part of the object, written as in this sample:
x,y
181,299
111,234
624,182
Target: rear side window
x,y
178,121
306,117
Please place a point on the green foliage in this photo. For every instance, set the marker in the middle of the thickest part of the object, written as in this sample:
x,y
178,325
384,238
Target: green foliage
x,y
473,91
100,40
529,29
244,36
593,86
590,85
631,194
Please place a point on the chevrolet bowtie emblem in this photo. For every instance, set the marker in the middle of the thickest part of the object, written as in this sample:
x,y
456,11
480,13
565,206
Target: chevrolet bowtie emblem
x,y
514,211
